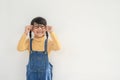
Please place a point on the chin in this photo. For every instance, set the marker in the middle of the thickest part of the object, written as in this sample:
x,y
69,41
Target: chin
x,y
40,35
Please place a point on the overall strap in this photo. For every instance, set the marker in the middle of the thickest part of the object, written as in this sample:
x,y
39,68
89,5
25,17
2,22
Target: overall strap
x,y
45,45
31,45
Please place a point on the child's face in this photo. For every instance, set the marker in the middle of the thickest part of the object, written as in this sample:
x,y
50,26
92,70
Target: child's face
x,y
39,30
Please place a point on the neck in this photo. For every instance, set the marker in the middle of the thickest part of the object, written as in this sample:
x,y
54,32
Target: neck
x,y
38,36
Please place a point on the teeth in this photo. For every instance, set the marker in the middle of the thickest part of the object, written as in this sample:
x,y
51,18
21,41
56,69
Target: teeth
x,y
39,32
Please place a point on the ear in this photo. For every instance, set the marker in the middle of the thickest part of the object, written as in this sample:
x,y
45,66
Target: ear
x,y
32,28
45,28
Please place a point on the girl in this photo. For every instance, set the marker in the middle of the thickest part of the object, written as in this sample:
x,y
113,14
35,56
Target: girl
x,y
39,47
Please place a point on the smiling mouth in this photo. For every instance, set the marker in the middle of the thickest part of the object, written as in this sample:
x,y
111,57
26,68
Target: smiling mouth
x,y
41,32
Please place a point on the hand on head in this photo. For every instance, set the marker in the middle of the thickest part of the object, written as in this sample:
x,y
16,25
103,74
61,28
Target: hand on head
x,y
28,28
49,28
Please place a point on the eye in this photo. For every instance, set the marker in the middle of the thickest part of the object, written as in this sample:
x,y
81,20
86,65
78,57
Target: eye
x,y
43,27
35,27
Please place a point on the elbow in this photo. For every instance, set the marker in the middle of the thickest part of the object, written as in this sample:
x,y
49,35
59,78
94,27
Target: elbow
x,y
20,49
58,48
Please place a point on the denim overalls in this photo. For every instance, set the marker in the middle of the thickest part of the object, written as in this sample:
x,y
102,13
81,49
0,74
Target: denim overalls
x,y
38,67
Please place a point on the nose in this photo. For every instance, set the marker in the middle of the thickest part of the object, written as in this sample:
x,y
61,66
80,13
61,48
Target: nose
x,y
40,28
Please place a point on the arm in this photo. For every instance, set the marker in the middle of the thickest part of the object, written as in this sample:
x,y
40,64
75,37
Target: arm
x,y
23,43
53,43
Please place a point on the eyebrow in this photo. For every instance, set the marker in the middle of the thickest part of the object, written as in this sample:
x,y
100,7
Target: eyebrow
x,y
38,24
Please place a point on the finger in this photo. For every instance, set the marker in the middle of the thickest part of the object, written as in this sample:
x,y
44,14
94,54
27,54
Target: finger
x,y
47,27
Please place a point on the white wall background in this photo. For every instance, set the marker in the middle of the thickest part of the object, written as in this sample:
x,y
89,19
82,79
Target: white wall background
x,y
89,32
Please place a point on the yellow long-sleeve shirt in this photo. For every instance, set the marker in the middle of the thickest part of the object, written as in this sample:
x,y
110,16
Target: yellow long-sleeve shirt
x,y
38,43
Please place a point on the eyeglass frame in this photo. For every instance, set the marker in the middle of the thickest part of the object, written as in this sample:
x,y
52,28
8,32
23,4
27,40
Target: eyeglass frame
x,y
36,25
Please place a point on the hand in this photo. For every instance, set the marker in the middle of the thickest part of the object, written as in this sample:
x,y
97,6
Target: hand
x,y
27,29
49,28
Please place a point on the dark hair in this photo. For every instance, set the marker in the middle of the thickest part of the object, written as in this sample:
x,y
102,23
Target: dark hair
x,y
39,20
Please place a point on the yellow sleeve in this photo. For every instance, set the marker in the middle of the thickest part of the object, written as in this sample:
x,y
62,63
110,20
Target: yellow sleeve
x,y
53,43
23,43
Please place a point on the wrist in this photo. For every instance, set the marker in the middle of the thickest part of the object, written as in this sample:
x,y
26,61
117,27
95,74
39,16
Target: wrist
x,y
50,31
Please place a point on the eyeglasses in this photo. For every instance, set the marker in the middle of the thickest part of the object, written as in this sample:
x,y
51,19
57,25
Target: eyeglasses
x,y
35,25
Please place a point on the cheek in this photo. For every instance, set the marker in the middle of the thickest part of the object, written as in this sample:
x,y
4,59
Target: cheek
x,y
34,31
37,30
44,30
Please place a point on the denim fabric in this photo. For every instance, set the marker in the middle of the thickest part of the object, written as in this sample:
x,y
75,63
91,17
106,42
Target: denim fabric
x,y
38,67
